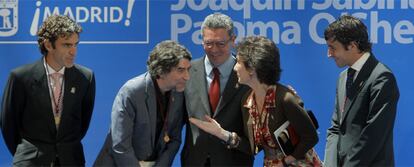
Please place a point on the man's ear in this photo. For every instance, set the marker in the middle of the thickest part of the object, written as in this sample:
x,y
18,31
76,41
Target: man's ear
x,y
352,46
233,41
48,45
161,76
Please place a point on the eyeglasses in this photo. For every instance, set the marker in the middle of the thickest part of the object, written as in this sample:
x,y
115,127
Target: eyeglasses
x,y
219,44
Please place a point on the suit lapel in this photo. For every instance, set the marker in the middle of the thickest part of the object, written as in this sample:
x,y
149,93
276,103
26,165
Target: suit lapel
x,y
41,84
199,86
228,93
341,92
71,88
359,83
151,104
172,113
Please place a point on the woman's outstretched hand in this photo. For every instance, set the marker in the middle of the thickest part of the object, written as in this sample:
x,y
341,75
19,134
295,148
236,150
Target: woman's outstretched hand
x,y
211,126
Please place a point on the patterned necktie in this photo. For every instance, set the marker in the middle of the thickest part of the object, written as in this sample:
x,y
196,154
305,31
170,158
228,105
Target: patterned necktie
x,y
57,96
349,80
214,92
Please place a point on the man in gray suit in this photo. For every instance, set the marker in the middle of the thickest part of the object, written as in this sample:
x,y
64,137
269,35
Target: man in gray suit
x,y
213,92
366,100
147,114
47,105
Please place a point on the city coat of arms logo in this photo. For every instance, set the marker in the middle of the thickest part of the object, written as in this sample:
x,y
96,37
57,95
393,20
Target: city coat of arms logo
x,y
8,17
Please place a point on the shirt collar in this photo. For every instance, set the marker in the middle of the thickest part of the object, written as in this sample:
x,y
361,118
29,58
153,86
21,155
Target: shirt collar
x,y
50,69
270,98
225,68
160,97
360,62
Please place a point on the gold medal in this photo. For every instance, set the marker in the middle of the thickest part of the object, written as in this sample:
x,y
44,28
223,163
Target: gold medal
x,y
57,120
166,138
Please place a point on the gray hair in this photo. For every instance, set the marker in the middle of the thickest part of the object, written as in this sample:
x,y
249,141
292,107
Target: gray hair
x,y
165,56
216,21
54,27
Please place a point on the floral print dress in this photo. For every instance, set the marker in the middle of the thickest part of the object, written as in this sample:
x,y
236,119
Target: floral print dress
x,y
263,137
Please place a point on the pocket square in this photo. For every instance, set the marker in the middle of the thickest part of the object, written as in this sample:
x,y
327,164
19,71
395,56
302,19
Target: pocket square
x,y
73,90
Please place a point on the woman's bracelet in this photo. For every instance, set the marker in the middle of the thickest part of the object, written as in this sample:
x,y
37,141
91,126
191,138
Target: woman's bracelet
x,y
233,141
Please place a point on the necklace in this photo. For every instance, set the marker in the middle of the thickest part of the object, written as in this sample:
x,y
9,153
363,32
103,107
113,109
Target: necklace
x,y
56,103
164,116
259,120
261,132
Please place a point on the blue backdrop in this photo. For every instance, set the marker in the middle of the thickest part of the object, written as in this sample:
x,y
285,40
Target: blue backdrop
x,y
118,36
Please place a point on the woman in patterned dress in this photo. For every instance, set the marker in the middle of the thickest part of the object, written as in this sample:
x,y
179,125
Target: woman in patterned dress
x,y
267,106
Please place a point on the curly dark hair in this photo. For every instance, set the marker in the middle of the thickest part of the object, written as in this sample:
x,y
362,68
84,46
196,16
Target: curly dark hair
x,y
56,26
349,29
165,56
260,54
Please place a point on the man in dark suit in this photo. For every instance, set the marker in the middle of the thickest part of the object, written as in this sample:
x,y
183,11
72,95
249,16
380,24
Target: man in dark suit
x,y
147,115
213,92
47,105
366,100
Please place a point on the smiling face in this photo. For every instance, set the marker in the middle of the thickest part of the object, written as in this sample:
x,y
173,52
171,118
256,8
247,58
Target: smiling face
x,y
244,75
176,78
217,44
338,52
63,52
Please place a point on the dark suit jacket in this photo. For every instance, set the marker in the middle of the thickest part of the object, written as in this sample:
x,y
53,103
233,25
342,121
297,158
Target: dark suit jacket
x,y
362,134
133,126
200,145
27,120
289,107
